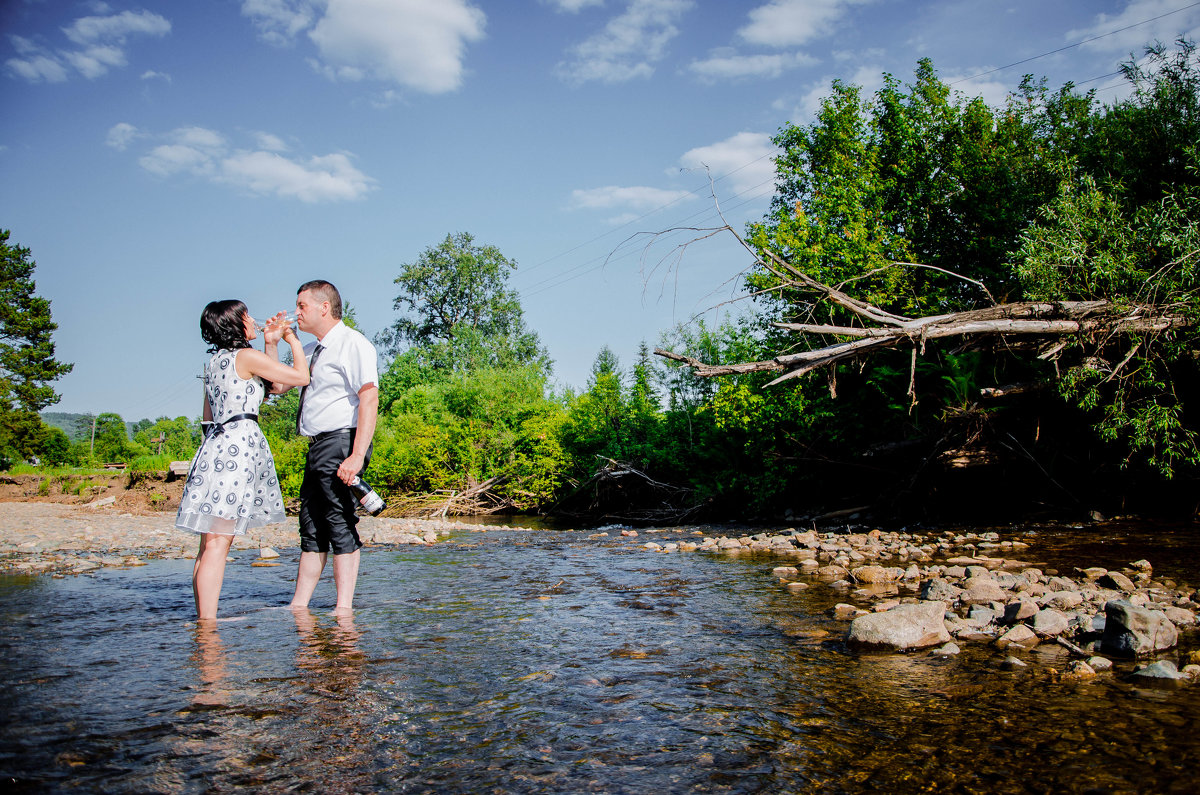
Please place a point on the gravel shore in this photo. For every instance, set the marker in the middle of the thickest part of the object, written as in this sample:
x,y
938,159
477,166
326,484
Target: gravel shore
x,y
55,538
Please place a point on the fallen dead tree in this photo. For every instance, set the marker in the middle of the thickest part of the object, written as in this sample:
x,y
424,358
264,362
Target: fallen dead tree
x,y
619,492
1050,326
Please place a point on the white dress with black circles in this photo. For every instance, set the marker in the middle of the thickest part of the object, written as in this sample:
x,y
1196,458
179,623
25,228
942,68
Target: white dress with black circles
x,y
233,473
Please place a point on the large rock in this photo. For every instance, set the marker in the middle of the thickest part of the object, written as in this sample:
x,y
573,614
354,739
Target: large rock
x,y
1064,600
982,590
938,590
874,575
1020,636
909,626
1020,610
1131,631
1117,580
1180,616
1050,623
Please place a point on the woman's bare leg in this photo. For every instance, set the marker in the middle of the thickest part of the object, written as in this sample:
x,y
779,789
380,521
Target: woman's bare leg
x,y
209,572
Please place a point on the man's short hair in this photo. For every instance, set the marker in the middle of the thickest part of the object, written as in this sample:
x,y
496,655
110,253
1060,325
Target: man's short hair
x,y
324,291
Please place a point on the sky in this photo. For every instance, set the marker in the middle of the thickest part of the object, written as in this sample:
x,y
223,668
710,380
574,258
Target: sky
x,y
157,155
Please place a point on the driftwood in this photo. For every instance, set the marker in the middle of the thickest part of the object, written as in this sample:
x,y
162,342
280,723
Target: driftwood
x,y
476,499
1038,321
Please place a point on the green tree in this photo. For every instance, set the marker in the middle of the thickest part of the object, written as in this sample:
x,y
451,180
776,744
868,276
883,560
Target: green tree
x,y
112,440
454,301
56,448
180,436
27,363
597,419
23,436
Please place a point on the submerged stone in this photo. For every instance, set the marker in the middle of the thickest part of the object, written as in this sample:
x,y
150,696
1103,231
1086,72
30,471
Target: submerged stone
x,y
1161,672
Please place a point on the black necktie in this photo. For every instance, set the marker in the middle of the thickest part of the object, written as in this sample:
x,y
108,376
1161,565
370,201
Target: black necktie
x,y
311,364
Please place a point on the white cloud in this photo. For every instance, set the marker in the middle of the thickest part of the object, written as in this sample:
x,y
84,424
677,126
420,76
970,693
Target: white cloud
x,y
319,179
747,160
804,110
629,46
790,23
419,44
572,6
199,137
38,67
993,92
171,159
205,153
637,198
724,64
101,42
96,61
150,74
121,135
88,30
269,142
1165,29
279,21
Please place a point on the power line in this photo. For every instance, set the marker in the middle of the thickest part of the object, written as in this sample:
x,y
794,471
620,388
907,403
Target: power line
x,y
1076,44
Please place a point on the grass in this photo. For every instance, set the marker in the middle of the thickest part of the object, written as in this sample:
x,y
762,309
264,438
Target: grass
x,y
63,471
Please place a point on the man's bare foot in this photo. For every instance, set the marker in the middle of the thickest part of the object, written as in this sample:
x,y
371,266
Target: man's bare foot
x,y
342,611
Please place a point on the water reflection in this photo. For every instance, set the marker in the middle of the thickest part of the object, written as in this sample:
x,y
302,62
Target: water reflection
x,y
211,664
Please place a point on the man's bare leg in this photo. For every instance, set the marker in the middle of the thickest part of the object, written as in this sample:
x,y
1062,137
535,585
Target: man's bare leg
x,y
345,577
307,577
208,573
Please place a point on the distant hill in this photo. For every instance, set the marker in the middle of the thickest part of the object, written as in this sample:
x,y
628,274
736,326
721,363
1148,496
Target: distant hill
x,y
76,426
70,423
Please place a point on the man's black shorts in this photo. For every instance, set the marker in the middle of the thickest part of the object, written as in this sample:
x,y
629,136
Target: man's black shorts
x,y
327,518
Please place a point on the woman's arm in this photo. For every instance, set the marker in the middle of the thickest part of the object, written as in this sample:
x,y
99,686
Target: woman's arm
x,y
206,416
251,362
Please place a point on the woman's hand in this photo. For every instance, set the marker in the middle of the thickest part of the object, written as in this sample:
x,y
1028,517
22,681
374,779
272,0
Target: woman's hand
x,y
277,328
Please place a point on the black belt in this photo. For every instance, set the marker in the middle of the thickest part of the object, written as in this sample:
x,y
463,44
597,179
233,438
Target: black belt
x,y
323,435
218,428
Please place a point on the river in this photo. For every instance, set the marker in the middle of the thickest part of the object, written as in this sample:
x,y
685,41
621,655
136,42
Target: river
x,y
551,662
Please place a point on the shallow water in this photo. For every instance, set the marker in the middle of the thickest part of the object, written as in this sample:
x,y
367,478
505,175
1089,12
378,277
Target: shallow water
x,y
547,662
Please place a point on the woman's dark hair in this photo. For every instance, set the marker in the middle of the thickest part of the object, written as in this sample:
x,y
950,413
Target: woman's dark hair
x,y
222,325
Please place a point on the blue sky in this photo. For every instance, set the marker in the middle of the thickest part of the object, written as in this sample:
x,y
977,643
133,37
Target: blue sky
x,y
158,155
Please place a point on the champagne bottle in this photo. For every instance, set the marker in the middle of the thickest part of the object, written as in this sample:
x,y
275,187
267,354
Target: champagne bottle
x,y
367,496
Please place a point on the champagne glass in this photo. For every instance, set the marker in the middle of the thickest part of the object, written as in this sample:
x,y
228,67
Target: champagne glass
x,y
288,319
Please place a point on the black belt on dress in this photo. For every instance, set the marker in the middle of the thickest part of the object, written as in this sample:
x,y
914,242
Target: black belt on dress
x,y
323,435
218,428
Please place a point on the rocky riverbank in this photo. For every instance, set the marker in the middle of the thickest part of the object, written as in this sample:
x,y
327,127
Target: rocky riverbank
x,y
908,591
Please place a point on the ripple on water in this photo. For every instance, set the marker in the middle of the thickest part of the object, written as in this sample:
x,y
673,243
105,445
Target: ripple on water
x,y
537,662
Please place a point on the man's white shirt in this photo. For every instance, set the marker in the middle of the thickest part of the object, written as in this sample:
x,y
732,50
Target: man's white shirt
x,y
346,365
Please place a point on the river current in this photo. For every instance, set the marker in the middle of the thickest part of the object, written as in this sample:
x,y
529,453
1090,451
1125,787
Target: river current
x,y
550,662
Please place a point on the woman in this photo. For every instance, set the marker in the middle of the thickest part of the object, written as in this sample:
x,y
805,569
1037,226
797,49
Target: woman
x,y
232,486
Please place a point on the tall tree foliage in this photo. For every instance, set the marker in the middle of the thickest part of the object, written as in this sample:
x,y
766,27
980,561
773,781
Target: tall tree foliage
x,y
1127,229
28,367
455,306
921,201
27,363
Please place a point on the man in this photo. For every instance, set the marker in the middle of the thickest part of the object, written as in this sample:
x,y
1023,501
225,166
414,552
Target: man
x,y
337,412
